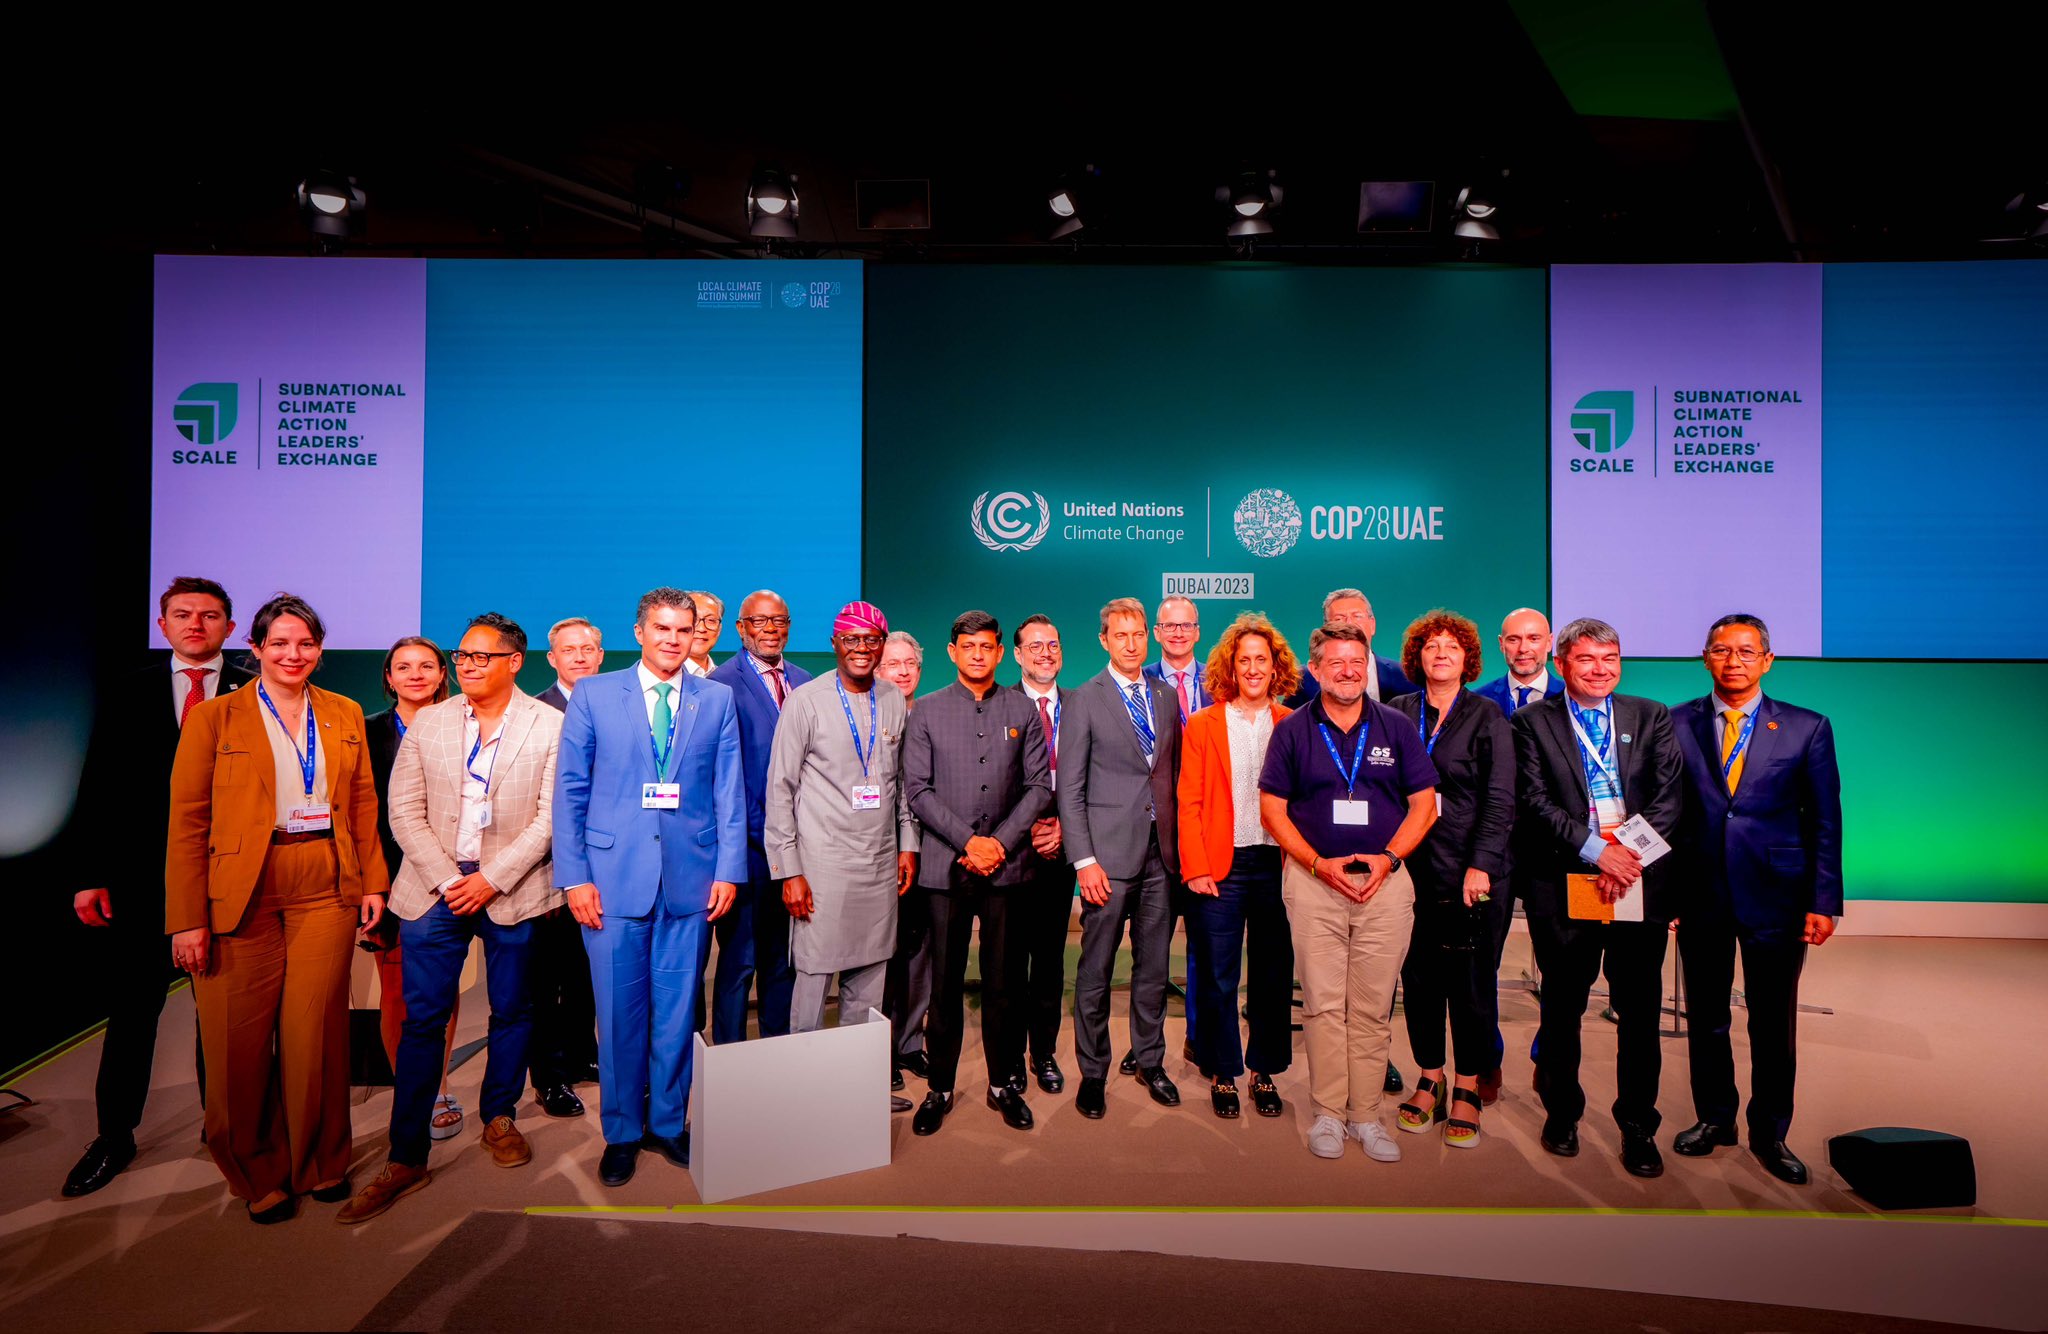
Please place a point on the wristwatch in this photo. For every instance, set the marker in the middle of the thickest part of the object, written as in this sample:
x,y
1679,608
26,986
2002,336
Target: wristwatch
x,y
1393,862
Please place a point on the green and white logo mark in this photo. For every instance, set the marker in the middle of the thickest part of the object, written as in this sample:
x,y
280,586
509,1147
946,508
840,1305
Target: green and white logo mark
x,y
1603,420
205,412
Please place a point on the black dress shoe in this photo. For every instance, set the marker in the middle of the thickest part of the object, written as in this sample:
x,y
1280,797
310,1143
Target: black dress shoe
x,y
675,1148
333,1194
896,1080
917,1063
585,1075
102,1161
276,1213
1561,1140
1049,1076
1639,1155
897,1104
1393,1084
1779,1161
931,1114
1017,1082
1699,1141
1223,1101
1088,1100
558,1100
1162,1089
616,1167
1265,1098
1129,1064
1010,1102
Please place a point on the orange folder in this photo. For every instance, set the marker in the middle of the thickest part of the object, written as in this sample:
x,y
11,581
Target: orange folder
x,y
1583,901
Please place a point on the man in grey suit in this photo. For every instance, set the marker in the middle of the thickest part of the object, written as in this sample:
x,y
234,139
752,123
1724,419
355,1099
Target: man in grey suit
x,y
976,777
1120,750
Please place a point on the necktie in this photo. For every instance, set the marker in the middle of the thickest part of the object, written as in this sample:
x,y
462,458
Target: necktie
x,y
1187,694
664,719
197,694
775,679
1522,694
1052,739
1596,729
1731,732
1141,719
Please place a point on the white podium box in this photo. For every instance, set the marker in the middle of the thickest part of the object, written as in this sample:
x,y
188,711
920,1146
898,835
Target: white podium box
x,y
781,1111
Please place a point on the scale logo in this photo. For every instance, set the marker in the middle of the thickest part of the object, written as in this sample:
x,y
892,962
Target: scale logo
x,y
205,413
1604,420
1004,524
794,295
1267,521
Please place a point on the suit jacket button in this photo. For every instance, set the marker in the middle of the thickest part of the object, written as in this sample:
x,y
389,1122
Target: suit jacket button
x,y
984,787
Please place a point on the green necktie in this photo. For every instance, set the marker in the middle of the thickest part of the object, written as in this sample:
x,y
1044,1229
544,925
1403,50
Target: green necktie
x,y
664,720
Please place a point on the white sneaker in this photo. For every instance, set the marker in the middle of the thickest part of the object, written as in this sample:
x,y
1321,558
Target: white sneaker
x,y
1326,1137
1379,1145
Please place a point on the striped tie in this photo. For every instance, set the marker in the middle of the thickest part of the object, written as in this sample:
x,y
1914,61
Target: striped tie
x,y
1141,718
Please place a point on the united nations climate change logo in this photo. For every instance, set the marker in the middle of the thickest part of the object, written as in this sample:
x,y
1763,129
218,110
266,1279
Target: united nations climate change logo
x,y
1603,420
1004,524
1267,521
794,294
205,412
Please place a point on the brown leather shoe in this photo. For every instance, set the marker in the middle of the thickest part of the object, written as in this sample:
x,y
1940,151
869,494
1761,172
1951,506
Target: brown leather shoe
x,y
393,1184
508,1147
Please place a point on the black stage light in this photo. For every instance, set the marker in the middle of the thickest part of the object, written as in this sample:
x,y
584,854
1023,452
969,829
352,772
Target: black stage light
x,y
1063,201
1253,197
772,203
332,204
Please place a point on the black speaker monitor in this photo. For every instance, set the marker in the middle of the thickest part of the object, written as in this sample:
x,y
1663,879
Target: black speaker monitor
x,y
1897,1167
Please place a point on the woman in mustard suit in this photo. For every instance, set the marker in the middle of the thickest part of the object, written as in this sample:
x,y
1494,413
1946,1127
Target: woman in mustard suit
x,y
273,869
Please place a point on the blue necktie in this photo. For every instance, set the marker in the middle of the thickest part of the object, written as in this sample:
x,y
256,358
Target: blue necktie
x,y
1141,718
1522,696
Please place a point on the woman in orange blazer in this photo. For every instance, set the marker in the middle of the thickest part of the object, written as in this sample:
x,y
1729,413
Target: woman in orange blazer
x,y
1232,867
273,869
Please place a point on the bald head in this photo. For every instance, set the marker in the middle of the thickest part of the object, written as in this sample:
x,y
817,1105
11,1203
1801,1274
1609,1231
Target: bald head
x,y
1525,642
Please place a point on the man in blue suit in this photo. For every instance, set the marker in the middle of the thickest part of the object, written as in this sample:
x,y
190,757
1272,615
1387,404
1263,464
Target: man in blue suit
x,y
1384,679
1525,647
753,939
650,843
1763,873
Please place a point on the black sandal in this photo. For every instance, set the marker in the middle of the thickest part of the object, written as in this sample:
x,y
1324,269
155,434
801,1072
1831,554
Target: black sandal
x,y
1223,1097
1458,1132
1412,1118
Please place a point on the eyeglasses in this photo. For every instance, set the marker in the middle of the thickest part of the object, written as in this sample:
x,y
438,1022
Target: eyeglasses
x,y
1039,648
477,656
858,641
1179,627
1721,653
766,622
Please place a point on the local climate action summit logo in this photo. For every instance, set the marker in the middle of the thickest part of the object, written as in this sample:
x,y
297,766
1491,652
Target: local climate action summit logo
x,y
205,412
794,295
1008,526
1267,521
1603,420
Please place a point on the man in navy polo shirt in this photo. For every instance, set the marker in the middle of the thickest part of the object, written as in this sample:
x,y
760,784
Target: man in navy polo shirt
x,y
1348,792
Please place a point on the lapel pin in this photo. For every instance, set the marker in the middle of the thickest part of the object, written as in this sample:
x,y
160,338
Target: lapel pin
x,y
1624,738
1771,726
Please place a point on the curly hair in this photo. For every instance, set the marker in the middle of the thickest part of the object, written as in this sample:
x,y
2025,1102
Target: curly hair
x,y
1221,676
1427,627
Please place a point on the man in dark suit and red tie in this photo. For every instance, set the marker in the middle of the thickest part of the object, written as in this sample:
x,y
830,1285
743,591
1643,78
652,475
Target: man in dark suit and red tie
x,y
134,739
1763,874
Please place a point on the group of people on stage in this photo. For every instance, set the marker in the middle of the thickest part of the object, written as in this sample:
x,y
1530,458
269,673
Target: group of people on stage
x,y
1352,822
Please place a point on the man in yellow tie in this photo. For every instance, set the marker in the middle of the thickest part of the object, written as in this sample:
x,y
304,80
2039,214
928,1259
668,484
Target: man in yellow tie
x,y
1762,870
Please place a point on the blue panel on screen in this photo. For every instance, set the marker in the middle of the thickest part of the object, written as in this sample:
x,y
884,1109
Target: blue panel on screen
x,y
1935,517
601,428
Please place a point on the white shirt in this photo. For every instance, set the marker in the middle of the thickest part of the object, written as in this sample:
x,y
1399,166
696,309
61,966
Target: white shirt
x,y
1249,738
476,792
690,666
284,752
568,691
1172,676
181,684
1372,674
648,696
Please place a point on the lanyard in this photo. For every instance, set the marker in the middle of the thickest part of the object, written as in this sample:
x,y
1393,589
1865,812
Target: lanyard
x,y
402,729
1429,737
1597,757
469,765
1741,743
847,705
1357,756
1053,750
307,757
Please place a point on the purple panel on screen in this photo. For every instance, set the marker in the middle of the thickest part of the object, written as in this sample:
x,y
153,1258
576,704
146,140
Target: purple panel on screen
x,y
1685,450
286,436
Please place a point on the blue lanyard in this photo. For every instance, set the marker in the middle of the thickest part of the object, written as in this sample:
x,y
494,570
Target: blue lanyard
x,y
307,757
469,765
402,729
1741,743
847,705
1428,737
1357,756
1587,754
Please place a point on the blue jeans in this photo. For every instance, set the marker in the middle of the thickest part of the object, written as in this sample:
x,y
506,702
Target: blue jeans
x,y
435,947
1247,904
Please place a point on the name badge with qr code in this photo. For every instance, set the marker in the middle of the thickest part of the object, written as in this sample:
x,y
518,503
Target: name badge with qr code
x,y
1638,837
1349,812
867,796
661,796
312,818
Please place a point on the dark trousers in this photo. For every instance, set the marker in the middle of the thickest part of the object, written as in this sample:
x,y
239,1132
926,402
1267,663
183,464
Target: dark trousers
x,y
1770,990
1041,911
1450,972
1572,954
907,983
952,913
753,955
1141,901
1501,918
138,974
1247,915
564,1042
435,947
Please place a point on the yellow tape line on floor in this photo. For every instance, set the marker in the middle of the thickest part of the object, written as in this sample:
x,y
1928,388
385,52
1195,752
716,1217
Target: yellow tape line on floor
x,y
1303,1209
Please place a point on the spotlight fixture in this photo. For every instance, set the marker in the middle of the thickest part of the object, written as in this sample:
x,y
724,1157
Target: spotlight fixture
x,y
332,204
1063,204
772,203
1253,197
1474,214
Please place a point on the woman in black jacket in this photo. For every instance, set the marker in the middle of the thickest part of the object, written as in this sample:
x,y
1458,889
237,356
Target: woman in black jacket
x,y
1464,861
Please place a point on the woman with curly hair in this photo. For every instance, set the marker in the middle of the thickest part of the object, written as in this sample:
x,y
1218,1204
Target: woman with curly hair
x,y
1232,866
1450,967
